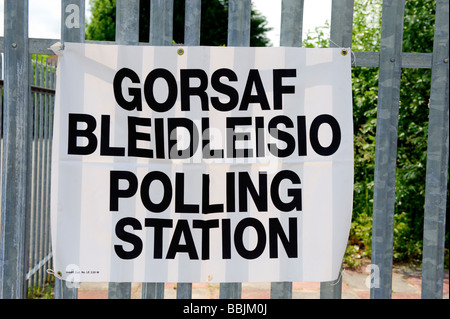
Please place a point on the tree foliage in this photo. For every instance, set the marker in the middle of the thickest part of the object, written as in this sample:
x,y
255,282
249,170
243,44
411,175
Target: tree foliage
x,y
214,17
102,26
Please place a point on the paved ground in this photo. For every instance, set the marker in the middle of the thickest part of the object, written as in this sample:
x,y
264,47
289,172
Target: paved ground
x,y
406,284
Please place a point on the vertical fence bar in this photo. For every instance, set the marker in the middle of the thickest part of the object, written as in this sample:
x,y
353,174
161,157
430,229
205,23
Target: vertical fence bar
x,y
119,290
127,22
34,219
281,290
291,23
239,23
437,161
184,290
340,36
41,162
161,33
152,290
72,30
36,160
127,33
46,177
1,128
72,20
193,10
239,36
33,228
386,144
161,22
1,133
341,23
36,181
191,37
331,289
291,35
47,264
16,153
29,224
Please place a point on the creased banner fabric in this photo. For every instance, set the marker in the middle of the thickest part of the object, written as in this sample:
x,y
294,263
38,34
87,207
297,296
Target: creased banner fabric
x,y
201,164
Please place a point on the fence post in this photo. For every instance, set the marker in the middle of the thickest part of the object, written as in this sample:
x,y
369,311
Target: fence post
x,y
193,10
72,20
340,36
239,23
291,23
281,290
239,36
437,161
127,22
72,30
291,35
152,290
35,209
191,37
341,23
161,22
127,33
331,289
386,144
161,33
16,153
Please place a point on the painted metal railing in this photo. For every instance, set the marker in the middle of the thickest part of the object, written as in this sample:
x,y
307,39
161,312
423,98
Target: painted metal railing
x,y
42,91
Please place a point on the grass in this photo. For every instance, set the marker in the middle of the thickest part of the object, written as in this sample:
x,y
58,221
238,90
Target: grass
x,y
45,292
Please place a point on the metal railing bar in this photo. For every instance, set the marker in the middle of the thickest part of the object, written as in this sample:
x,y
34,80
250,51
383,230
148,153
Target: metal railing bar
x,y
386,145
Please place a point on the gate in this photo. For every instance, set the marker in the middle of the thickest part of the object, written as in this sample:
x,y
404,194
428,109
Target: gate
x,y
26,131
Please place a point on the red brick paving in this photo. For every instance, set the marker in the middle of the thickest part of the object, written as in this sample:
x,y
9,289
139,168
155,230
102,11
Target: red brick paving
x,y
205,290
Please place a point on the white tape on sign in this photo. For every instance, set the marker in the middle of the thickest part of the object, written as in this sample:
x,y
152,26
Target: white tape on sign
x,y
220,164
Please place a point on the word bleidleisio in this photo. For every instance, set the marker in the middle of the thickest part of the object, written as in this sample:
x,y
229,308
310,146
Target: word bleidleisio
x,y
162,134
169,145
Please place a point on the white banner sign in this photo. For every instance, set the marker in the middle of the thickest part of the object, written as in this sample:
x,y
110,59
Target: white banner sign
x,y
201,164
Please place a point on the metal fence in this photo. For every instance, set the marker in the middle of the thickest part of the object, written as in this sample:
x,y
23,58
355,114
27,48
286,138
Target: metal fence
x,y
27,131
42,82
